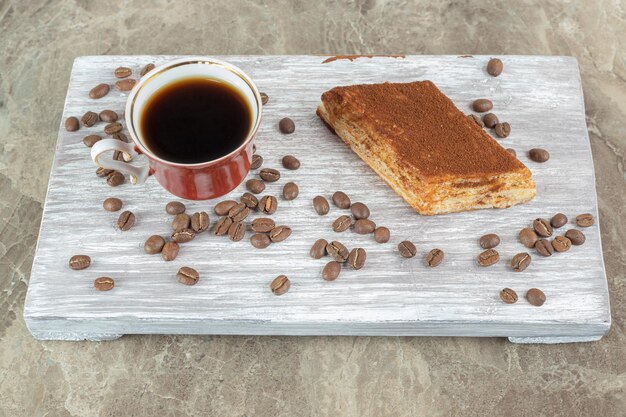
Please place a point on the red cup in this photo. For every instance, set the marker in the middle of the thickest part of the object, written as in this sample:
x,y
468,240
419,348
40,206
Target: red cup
x,y
200,181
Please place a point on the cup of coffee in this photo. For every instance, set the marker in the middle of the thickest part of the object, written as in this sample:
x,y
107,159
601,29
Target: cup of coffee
x,y
194,119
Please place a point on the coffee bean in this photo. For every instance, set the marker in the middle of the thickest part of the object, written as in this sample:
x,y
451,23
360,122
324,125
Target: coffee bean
x,y
112,128
575,236
146,69
262,225
280,285
488,257
99,91
490,120
544,247
318,250
255,186
257,161
183,235
342,223
91,140
222,226
238,212
364,226
120,136
126,220
268,204
341,200
115,178
269,175
360,211
118,156
125,85
290,191
482,105
502,130
170,251
249,200
536,297
122,72
494,67
542,227
382,234
508,295
476,119
584,220
561,244
558,220
154,244
280,233
236,231
200,221
407,249
320,204
260,241
181,221
104,284
175,207
528,237
511,151
538,155
337,251
104,172
357,257
489,241
434,257
331,271
291,162
112,204
78,262
89,119
108,116
253,148
71,124
286,125
520,261
264,98
223,207
187,276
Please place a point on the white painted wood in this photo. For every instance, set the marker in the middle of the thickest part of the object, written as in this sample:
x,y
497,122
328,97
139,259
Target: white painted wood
x,y
540,97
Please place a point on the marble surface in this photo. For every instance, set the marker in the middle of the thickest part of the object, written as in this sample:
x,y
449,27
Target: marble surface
x,y
289,376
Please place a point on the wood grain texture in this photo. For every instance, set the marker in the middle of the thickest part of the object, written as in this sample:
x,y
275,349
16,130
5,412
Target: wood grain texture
x,y
540,97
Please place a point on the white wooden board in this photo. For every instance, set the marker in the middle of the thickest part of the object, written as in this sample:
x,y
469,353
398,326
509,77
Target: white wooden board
x,y
540,97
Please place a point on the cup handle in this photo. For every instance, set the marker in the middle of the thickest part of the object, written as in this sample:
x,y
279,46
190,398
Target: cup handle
x,y
138,174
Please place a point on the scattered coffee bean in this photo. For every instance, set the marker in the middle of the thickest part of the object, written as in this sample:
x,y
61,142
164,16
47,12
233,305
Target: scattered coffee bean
x,y
538,155
488,257
382,234
183,235
222,226
170,251
490,120
118,156
502,130
104,284
236,231
99,91
223,207
290,191
175,208
360,211
318,250
268,204
200,221
494,68
108,116
91,140
123,72
544,247
407,249
528,237
257,161
520,262
126,220
253,148
120,136
249,200
584,220
536,297
104,172
255,186
264,98
78,262
181,221
112,204
476,119
575,236
356,258
269,174
238,212
508,295
291,162
154,244
260,241
112,128
342,223
89,119
482,105
511,151
542,227
280,285
71,124
331,271
286,125
337,251
341,200
115,178
262,225
558,220
126,84
320,204
489,241
280,233
434,257
364,226
561,244
146,69
187,276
